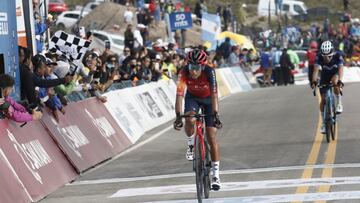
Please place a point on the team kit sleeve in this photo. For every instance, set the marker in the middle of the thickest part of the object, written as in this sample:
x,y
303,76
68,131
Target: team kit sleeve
x,y
212,80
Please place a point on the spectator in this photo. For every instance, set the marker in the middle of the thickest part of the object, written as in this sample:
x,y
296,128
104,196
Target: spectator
x,y
40,29
155,68
129,37
266,65
355,28
276,55
227,15
157,13
124,55
311,57
286,66
9,108
128,15
146,67
168,68
225,48
234,57
138,40
346,5
198,11
48,95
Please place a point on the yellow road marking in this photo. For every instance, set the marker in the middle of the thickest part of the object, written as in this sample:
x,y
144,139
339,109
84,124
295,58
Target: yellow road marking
x,y
314,153
330,159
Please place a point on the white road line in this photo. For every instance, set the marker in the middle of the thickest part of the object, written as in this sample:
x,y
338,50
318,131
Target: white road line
x,y
237,186
243,171
326,196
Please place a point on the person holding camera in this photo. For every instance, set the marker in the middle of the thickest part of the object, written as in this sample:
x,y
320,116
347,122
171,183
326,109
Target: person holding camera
x,y
9,108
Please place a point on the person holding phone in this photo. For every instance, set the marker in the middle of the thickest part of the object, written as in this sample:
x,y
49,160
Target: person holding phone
x,y
9,108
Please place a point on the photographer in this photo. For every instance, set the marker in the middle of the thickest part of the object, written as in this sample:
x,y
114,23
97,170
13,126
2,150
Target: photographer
x,y
9,108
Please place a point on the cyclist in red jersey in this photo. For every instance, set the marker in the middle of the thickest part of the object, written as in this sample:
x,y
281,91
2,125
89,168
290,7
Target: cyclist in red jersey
x,y
199,80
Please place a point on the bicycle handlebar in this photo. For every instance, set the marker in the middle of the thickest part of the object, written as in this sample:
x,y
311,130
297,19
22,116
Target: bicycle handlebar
x,y
193,116
325,85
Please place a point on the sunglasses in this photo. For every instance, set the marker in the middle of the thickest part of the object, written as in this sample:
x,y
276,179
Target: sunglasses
x,y
126,50
329,56
196,67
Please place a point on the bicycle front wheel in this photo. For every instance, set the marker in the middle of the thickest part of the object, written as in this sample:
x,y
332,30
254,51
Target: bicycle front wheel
x,y
327,121
207,167
198,170
333,126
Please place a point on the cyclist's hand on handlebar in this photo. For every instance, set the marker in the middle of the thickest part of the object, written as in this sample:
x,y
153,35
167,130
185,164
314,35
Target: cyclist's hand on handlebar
x,y
314,84
178,124
340,83
217,122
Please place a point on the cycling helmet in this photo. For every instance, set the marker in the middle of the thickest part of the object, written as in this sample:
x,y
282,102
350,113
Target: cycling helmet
x,y
197,56
327,48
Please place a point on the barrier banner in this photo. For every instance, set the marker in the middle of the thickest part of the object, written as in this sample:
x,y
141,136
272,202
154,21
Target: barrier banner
x,y
223,90
125,114
241,78
12,189
351,74
230,80
81,141
98,115
34,158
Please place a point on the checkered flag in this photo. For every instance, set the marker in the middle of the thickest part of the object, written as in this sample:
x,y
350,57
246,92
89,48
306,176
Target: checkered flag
x,y
70,46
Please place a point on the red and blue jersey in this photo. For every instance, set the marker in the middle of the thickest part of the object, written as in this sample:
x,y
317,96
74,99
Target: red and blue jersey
x,y
201,87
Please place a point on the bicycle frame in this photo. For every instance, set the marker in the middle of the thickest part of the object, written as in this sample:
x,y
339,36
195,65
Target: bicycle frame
x,y
200,135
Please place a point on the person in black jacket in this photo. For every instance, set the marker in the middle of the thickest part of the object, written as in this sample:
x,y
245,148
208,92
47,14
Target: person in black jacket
x,y
286,66
129,37
29,80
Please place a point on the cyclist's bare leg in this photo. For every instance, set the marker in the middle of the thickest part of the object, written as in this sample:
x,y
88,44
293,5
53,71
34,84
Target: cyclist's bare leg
x,y
190,124
334,81
214,147
322,102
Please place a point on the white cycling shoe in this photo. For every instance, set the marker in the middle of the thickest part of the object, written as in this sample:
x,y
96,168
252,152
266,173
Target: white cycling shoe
x,y
190,153
215,183
323,129
339,109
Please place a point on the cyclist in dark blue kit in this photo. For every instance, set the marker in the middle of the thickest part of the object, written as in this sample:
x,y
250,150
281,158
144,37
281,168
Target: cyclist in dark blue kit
x,y
331,64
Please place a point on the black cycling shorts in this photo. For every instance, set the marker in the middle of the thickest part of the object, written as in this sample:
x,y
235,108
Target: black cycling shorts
x,y
193,103
325,78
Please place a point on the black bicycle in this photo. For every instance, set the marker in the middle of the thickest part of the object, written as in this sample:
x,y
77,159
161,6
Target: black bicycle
x,y
202,160
329,111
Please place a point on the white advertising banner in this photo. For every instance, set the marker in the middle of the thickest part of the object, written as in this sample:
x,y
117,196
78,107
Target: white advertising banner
x,y
351,74
241,78
230,81
123,114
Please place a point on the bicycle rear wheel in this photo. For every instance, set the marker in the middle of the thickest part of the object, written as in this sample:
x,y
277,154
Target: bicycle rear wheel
x,y
207,167
198,170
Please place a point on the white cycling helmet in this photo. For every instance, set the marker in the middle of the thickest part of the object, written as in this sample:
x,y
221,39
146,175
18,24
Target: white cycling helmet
x,y
327,48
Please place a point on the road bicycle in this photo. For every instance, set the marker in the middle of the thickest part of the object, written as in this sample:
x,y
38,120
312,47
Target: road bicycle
x,y
329,111
202,160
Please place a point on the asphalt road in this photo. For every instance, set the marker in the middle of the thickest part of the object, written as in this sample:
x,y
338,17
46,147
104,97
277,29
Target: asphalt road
x,y
271,151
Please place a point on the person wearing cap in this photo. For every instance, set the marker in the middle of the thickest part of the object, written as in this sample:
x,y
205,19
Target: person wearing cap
x,y
48,95
9,108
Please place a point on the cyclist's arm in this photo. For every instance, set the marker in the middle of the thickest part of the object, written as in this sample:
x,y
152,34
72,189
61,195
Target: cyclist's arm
x,y
341,72
316,72
180,91
341,68
213,90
